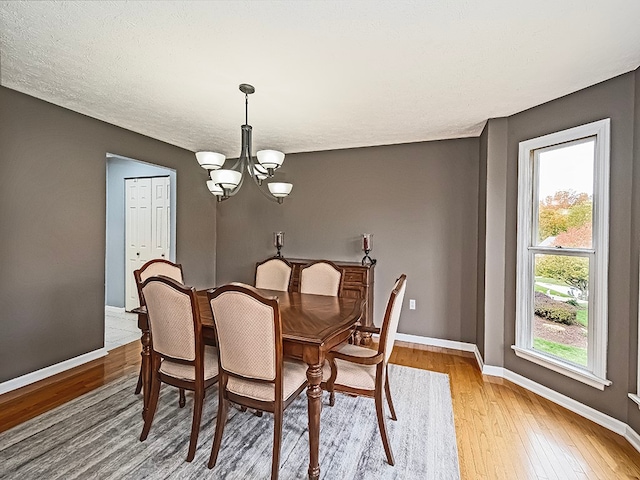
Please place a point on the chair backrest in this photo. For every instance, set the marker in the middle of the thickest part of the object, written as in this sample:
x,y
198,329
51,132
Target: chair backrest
x,y
155,267
392,317
273,274
321,278
248,332
174,317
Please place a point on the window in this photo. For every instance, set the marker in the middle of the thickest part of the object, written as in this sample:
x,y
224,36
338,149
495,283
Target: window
x,y
563,250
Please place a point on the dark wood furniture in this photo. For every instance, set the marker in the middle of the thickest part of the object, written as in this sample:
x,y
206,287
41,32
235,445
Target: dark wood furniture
x,y
357,282
179,356
366,361
252,367
312,325
157,266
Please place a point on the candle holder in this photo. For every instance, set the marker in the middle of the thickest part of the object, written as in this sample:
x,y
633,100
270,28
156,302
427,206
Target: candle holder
x,y
278,242
367,246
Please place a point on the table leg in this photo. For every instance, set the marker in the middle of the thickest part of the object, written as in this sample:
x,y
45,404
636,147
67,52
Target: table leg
x,y
314,396
146,369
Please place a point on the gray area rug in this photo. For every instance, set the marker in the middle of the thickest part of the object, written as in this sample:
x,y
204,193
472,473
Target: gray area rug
x,y
96,437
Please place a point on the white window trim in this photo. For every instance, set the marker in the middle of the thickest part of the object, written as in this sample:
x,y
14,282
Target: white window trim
x,y
595,374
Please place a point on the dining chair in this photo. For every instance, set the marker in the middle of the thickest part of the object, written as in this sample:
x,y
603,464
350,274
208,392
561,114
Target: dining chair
x,y
273,274
179,356
321,277
253,372
157,266
362,371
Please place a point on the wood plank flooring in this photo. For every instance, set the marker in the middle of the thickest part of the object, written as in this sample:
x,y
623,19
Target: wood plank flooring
x,y
503,431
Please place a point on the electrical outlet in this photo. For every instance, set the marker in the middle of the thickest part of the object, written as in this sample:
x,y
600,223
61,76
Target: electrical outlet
x,y
412,304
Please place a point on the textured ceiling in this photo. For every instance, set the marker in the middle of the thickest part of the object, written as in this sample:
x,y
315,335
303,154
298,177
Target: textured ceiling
x,y
328,74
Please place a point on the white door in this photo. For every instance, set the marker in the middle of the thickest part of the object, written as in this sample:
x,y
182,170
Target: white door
x,y
146,227
160,206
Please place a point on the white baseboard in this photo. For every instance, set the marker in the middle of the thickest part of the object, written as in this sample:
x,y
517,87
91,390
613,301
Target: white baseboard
x,y
478,358
110,309
43,373
577,407
493,371
581,409
437,342
632,437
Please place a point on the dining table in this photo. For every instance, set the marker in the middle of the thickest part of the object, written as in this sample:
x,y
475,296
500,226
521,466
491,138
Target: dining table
x,y
312,325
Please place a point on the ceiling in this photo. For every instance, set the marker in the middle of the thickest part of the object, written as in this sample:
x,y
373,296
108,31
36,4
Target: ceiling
x,y
328,74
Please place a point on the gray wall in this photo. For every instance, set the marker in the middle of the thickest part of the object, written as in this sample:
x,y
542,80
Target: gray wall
x,y
119,169
482,242
52,215
496,228
611,99
419,200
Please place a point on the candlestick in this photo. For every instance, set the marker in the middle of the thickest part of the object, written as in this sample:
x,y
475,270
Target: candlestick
x,y
278,242
367,246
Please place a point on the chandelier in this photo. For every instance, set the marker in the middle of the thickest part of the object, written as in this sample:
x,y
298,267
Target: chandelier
x,y
225,183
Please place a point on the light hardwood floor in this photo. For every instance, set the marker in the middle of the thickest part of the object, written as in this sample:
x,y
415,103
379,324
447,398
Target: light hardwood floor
x,y
503,431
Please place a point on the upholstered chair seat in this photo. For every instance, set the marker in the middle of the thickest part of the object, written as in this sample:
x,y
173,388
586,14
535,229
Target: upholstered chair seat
x,y
294,374
188,372
178,354
362,371
155,267
253,372
351,374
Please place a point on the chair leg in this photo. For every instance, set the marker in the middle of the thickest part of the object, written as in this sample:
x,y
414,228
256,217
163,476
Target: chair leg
x,y
221,419
277,440
139,385
151,409
383,427
387,393
182,401
195,425
331,382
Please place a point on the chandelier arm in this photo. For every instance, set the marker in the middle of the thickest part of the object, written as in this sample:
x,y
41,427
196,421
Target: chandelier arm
x,y
236,165
251,165
236,189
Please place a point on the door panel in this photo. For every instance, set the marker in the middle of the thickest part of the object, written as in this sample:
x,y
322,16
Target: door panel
x,y
146,227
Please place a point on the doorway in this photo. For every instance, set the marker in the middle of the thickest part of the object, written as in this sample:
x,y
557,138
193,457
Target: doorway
x,y
120,326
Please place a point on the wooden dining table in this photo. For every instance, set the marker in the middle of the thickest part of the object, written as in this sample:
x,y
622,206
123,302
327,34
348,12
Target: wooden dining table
x,y
311,326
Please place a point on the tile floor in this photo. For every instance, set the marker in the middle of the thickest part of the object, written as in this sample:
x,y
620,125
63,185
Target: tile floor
x,y
120,328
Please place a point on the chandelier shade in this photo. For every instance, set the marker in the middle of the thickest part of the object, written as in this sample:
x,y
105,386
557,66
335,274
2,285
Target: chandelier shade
x,y
260,173
280,189
210,160
270,159
225,182
214,189
228,179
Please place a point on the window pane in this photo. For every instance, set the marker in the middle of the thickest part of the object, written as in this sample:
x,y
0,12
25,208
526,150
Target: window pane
x,y
565,194
561,307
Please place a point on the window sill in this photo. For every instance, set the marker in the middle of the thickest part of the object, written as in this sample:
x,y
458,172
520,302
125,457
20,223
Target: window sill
x,y
635,398
549,362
